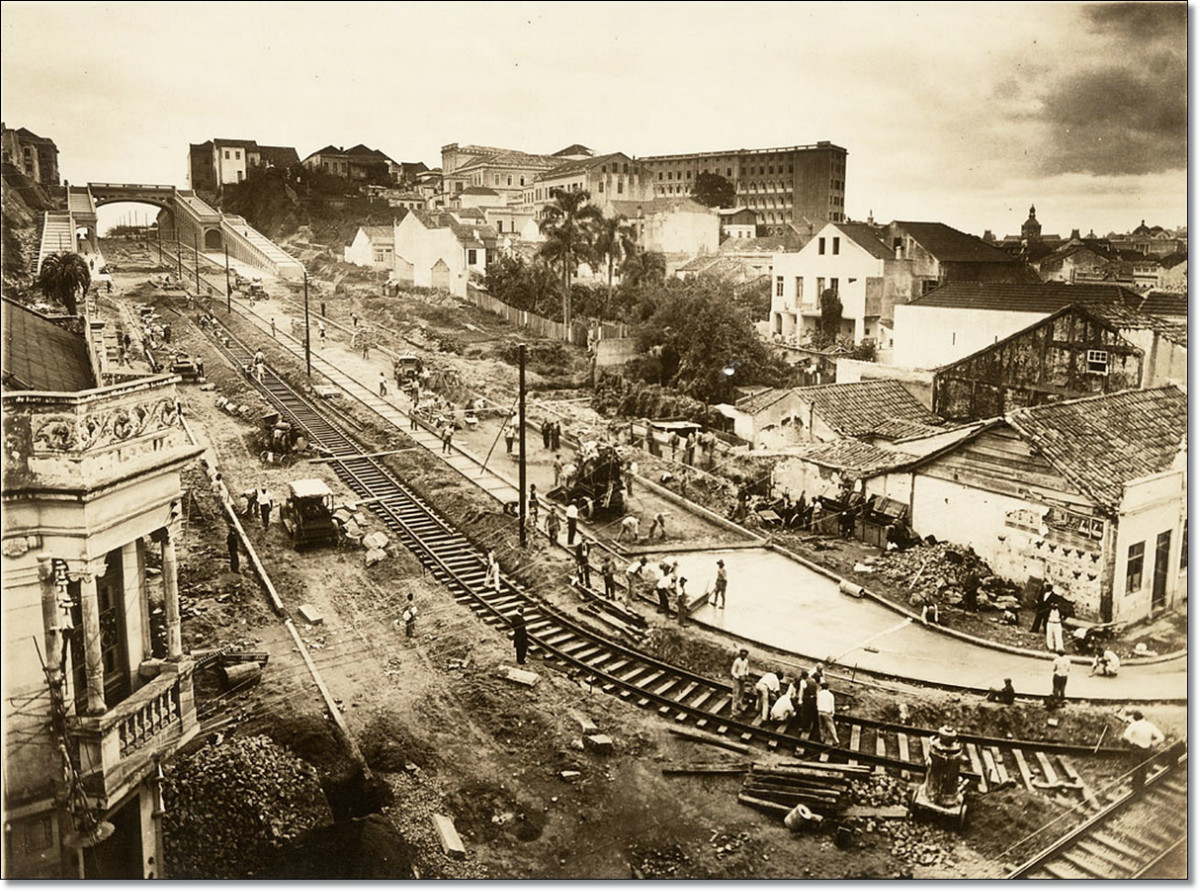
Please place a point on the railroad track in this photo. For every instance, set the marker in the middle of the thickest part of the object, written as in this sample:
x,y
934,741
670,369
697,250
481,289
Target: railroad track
x,y
678,695
1128,839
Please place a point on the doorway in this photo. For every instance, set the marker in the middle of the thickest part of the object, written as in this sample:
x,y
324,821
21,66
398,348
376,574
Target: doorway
x,y
120,856
1162,561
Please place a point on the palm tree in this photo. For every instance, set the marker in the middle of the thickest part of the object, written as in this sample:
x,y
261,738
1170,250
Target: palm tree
x,y
65,277
569,226
614,242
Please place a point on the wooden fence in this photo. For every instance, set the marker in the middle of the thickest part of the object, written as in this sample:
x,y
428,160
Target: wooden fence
x,y
583,331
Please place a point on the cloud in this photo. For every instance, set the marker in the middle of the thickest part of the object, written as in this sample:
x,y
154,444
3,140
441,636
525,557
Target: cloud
x,y
1129,114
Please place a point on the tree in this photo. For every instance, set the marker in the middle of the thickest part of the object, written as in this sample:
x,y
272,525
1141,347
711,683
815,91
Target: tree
x,y
569,225
521,284
614,242
831,314
65,277
714,191
697,333
643,268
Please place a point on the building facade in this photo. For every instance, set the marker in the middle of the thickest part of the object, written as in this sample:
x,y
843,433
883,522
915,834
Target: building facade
x,y
795,184
33,155
222,162
614,177
437,249
98,689
373,247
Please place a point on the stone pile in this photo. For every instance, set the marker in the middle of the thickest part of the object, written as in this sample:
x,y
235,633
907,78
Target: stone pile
x,y
936,573
232,806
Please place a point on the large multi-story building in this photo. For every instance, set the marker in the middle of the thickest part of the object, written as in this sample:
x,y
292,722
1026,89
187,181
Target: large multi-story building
x,y
606,178
799,185
97,688
33,155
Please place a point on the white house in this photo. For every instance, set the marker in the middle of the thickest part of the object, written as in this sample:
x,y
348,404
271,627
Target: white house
x,y
843,257
373,246
436,249
678,228
959,319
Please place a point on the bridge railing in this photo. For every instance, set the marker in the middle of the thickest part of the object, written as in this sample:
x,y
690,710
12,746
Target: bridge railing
x,y
140,187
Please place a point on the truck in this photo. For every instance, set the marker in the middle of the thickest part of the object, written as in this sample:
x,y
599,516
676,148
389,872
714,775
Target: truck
x,y
307,514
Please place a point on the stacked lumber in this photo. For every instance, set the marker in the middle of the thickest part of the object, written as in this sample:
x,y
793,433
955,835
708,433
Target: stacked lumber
x,y
823,787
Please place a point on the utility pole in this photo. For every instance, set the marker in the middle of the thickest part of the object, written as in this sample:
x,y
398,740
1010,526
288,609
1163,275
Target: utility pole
x,y
228,289
178,256
307,333
521,432
196,254
159,233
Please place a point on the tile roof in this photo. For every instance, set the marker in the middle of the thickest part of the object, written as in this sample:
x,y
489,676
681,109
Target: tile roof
x,y
279,155
581,164
574,149
856,457
40,355
1164,303
948,244
1121,317
379,234
904,428
479,190
509,159
659,206
767,244
858,408
764,399
1044,298
866,238
1100,443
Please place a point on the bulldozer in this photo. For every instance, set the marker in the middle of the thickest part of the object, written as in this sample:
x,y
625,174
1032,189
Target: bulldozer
x,y
307,514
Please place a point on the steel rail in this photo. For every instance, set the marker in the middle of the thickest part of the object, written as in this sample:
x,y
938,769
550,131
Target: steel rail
x,y
458,563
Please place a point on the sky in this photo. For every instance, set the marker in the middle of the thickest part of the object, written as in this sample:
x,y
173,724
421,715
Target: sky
x,y
965,113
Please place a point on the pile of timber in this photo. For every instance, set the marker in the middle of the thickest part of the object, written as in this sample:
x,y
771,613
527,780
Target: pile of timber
x,y
821,786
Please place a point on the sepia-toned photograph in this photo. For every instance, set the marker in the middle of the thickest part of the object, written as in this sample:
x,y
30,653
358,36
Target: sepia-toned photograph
x,y
594,441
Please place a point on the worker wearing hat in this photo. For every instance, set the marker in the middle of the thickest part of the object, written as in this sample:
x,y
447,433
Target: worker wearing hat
x,y
719,587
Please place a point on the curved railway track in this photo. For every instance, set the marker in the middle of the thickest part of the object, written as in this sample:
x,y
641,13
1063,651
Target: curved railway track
x,y
677,694
1129,839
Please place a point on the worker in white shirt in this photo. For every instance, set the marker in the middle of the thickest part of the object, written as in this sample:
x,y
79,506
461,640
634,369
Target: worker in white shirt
x,y
572,522
739,672
825,709
1142,733
767,688
785,707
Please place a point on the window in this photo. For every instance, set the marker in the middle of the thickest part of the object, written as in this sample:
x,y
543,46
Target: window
x,y
799,288
820,246
668,174
237,154
604,168
1097,362
497,183
624,167
1183,548
509,180
660,174
837,244
522,181
689,174
600,186
1133,567
729,171
620,187
227,154
820,285
470,257
779,286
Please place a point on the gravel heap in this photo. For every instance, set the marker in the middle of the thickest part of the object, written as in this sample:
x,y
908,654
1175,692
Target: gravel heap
x,y
943,569
230,807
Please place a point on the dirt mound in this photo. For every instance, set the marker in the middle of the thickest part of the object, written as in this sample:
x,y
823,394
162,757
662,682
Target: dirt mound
x,y
484,811
369,848
230,807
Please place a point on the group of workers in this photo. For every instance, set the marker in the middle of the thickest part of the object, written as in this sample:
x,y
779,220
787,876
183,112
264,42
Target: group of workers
x,y
779,698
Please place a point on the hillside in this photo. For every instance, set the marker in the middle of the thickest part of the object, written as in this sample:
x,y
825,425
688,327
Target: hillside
x,y
24,202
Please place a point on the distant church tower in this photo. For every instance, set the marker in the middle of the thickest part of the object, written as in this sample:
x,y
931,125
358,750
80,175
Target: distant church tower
x,y
1031,229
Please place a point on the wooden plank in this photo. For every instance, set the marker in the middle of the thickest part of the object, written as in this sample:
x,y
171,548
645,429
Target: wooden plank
x,y
710,739
855,740
1088,795
925,747
452,843
977,766
740,768
880,751
902,739
763,805
1001,769
1023,768
887,812
990,764
1048,771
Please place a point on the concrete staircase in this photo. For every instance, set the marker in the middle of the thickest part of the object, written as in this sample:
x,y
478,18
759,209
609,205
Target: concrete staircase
x,y
283,264
58,234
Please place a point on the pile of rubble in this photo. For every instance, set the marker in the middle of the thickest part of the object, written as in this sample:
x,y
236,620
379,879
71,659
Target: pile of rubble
x,y
936,573
656,864
879,790
230,807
